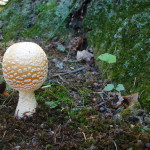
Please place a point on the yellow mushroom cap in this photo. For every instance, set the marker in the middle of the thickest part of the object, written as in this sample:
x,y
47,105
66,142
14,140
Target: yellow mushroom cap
x,y
25,66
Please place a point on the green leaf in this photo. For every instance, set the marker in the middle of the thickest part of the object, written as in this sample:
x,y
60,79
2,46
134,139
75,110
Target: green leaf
x,y
52,104
109,87
61,48
107,58
120,87
8,87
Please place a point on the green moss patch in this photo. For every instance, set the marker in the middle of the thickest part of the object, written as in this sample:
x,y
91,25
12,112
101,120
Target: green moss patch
x,y
32,19
121,29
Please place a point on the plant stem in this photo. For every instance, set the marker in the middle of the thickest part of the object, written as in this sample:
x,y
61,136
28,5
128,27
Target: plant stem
x,y
105,70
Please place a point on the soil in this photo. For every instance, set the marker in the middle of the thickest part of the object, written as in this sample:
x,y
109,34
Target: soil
x,y
84,117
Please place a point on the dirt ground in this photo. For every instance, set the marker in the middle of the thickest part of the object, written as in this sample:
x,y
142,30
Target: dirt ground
x,y
84,117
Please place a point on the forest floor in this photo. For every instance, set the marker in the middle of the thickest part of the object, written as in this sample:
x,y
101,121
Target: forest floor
x,y
74,112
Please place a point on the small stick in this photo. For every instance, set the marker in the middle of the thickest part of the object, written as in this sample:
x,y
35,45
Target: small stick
x,y
134,81
4,134
72,71
115,144
62,78
84,136
64,72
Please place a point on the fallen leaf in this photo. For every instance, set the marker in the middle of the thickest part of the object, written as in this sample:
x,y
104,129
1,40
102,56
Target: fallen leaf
x,y
6,93
3,88
76,43
129,100
80,42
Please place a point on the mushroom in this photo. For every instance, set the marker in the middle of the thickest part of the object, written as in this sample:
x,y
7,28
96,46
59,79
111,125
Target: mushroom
x,y
25,68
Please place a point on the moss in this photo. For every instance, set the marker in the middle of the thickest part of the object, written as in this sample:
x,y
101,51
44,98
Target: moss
x,y
126,113
56,96
1,8
84,92
32,19
121,28
49,124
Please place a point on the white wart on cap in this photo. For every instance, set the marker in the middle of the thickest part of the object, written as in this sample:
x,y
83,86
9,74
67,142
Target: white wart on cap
x,y
25,69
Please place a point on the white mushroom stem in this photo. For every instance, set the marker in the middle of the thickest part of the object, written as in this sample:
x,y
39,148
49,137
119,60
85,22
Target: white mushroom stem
x,y
26,104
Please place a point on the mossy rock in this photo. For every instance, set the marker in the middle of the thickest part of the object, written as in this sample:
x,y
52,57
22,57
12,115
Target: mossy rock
x,y
34,19
121,28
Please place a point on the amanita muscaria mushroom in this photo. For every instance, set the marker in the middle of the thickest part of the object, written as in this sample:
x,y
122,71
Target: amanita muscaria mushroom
x,y
25,68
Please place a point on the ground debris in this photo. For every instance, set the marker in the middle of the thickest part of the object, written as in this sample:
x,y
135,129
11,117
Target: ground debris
x,y
84,56
79,115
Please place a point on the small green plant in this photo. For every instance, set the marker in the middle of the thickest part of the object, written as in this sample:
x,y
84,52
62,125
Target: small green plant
x,y
61,48
110,87
56,96
84,92
109,58
52,104
145,128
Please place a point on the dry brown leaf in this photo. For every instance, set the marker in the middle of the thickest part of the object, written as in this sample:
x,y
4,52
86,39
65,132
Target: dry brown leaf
x,y
3,88
129,100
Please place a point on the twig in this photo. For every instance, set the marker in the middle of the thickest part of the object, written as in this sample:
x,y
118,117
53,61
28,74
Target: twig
x,y
102,97
58,74
115,144
4,134
72,71
47,86
4,103
134,81
64,72
68,54
84,136
62,78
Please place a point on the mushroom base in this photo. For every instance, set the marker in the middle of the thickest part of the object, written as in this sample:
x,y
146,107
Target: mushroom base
x,y
26,104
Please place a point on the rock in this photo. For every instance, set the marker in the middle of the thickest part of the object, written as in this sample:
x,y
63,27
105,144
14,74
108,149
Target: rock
x,y
102,109
133,119
140,112
43,126
51,133
58,64
147,120
17,147
84,55
1,38
147,145
117,117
